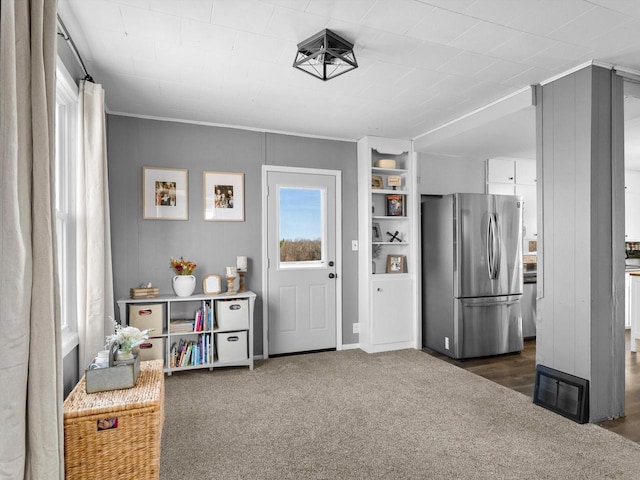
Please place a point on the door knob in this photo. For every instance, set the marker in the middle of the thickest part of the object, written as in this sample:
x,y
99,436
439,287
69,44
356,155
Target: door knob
x,y
331,263
332,275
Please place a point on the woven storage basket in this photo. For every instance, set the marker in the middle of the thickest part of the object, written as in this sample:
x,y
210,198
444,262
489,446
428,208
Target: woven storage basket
x,y
129,451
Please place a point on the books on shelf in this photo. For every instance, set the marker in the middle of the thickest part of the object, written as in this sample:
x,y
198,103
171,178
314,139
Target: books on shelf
x,y
187,353
202,321
191,350
180,325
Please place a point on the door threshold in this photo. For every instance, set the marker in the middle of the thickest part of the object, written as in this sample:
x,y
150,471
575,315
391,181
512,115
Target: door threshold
x,y
302,353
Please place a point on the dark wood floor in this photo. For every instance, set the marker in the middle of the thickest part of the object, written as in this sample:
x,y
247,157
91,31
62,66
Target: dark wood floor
x,y
517,372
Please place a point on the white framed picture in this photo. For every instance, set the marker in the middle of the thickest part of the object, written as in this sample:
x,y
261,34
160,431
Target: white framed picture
x,y
223,195
165,193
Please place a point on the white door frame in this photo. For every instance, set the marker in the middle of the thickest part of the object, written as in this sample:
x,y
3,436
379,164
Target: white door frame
x,y
265,265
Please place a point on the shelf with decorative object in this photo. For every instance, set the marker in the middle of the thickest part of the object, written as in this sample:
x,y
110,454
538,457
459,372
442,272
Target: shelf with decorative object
x,y
388,254
199,331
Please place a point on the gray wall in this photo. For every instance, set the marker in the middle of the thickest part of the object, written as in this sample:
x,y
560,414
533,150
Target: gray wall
x,y
71,371
440,175
579,327
305,152
142,248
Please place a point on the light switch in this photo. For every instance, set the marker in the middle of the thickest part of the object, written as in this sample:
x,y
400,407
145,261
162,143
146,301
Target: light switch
x,y
354,245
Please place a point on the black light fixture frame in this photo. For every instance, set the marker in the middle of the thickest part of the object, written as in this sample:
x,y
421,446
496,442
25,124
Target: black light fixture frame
x,y
325,47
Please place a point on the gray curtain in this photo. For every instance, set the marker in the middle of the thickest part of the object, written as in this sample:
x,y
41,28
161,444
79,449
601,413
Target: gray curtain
x,y
31,442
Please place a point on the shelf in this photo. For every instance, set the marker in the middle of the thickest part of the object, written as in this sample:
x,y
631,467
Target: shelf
x,y
189,367
389,276
389,171
197,303
389,217
400,244
216,364
196,297
385,191
236,363
175,334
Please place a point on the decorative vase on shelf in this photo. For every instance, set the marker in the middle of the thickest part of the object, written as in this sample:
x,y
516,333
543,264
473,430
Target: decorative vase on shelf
x,y
184,285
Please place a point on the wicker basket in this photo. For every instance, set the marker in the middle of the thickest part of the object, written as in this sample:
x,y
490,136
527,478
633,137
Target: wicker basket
x,y
128,450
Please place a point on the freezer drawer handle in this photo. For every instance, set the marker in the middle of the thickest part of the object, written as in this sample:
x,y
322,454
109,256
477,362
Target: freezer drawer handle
x,y
489,304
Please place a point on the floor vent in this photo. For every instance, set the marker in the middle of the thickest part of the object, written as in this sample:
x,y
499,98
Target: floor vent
x,y
562,393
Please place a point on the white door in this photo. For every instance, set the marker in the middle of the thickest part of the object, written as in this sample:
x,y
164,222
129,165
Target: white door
x,y
302,265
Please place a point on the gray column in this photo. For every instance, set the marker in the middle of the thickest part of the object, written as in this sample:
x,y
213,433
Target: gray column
x,y
580,324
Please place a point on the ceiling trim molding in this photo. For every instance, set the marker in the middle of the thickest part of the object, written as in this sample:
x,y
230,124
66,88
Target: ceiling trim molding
x,y
224,125
518,100
590,63
628,73
515,101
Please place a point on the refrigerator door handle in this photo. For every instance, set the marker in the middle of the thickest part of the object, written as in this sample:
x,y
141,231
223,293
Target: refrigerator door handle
x,y
496,247
493,247
489,248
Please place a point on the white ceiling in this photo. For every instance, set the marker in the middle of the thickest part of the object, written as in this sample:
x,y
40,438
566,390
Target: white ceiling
x,y
422,63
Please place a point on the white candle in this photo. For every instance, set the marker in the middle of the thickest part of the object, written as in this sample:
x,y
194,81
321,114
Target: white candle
x,y
241,263
231,271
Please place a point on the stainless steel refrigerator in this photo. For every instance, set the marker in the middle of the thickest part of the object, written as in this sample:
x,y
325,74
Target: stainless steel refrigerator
x,y
472,274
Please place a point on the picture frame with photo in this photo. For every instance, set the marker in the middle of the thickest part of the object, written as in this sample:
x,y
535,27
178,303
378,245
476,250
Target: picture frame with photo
x,y
223,196
395,205
396,264
376,233
165,193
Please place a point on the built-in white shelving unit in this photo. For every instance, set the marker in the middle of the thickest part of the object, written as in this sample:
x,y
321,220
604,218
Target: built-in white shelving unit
x,y
387,231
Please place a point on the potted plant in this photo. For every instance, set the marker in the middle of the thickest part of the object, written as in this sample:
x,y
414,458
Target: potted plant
x,y
184,283
127,339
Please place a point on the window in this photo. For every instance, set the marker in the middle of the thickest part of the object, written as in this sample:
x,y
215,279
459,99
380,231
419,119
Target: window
x,y
302,228
66,139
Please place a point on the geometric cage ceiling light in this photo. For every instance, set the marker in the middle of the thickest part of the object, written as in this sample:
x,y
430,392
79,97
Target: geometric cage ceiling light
x,y
325,55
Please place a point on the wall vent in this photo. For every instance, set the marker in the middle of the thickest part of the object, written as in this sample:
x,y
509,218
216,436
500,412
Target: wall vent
x,y
562,393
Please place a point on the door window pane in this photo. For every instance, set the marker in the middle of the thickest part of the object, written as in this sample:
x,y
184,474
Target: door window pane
x,y
302,226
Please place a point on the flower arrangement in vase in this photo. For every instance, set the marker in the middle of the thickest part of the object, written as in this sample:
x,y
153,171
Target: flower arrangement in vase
x,y
127,339
184,283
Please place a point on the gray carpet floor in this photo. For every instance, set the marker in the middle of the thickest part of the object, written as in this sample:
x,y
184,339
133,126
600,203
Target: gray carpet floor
x,y
394,415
